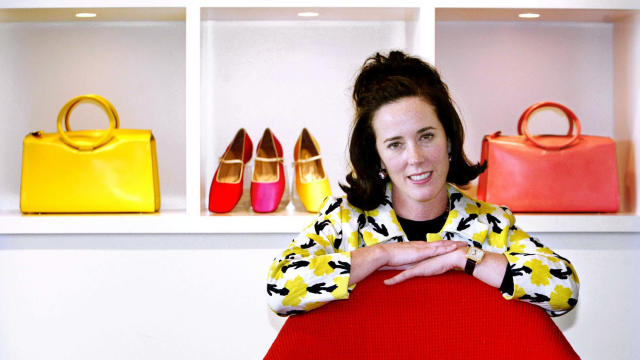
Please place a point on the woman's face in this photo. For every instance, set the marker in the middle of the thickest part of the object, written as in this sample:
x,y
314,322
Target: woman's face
x,y
413,148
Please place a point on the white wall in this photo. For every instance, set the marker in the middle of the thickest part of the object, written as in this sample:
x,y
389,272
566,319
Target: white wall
x,y
203,296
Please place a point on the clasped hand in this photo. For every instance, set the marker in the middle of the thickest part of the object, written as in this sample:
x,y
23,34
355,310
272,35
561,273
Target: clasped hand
x,y
419,258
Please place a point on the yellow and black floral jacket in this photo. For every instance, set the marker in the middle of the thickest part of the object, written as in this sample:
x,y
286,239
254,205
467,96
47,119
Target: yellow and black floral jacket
x,y
315,268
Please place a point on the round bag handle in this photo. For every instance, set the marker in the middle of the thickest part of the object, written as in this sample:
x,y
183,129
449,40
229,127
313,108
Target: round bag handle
x,y
65,113
523,128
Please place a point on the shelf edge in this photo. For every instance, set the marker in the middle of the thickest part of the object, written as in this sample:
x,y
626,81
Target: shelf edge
x,y
180,223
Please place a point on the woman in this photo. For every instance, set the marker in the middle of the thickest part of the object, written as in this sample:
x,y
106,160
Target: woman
x,y
406,151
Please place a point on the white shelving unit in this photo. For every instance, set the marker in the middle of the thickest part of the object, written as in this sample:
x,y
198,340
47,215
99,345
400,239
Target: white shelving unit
x,y
196,71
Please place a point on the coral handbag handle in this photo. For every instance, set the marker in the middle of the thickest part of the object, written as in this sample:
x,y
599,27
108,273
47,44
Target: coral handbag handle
x,y
523,128
65,113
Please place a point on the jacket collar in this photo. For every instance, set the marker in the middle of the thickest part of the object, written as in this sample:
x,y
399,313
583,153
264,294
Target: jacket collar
x,y
463,219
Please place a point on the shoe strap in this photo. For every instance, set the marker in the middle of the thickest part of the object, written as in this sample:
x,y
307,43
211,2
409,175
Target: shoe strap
x,y
234,161
276,159
313,158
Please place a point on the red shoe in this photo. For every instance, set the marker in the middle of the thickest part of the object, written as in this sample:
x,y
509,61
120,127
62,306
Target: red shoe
x,y
226,187
267,183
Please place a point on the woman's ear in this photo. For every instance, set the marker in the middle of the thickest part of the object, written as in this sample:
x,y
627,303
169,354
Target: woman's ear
x,y
448,146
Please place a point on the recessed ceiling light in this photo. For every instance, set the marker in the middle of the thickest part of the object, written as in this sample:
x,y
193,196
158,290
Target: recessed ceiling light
x,y
528,16
308,14
85,15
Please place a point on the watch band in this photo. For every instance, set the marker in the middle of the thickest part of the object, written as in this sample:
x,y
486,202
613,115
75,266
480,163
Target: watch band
x,y
470,266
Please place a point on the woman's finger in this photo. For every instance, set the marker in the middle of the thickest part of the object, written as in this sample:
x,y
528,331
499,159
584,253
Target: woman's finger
x,y
432,266
442,247
421,269
416,251
399,278
398,267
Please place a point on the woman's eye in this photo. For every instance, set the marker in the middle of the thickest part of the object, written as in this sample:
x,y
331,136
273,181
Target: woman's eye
x,y
426,137
393,145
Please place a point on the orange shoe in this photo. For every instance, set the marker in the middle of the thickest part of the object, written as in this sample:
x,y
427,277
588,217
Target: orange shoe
x,y
311,180
226,186
267,182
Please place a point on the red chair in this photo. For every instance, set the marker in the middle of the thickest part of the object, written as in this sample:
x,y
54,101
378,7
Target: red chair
x,y
451,316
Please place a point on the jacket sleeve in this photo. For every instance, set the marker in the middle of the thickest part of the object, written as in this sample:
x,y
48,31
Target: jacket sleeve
x,y
312,270
540,276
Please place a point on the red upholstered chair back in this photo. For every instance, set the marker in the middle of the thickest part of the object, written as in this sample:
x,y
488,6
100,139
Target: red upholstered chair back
x,y
451,316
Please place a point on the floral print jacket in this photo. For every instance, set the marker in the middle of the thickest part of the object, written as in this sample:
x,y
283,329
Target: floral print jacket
x,y
315,267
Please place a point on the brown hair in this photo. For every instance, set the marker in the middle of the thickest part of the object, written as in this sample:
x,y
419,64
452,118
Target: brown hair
x,y
385,79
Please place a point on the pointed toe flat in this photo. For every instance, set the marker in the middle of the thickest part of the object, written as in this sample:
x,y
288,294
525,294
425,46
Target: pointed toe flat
x,y
267,182
227,183
311,180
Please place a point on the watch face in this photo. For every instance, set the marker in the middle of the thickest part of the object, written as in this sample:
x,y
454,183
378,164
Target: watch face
x,y
475,254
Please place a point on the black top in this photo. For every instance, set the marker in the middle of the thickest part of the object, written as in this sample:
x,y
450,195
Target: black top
x,y
417,230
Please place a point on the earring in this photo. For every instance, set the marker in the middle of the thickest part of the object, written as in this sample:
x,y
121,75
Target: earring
x,y
449,157
382,174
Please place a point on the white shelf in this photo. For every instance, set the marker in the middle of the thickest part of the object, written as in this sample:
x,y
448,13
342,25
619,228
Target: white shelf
x,y
577,223
164,222
245,63
177,222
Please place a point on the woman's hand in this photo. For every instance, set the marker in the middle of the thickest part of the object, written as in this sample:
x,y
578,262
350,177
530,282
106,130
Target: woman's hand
x,y
432,266
368,259
491,270
413,252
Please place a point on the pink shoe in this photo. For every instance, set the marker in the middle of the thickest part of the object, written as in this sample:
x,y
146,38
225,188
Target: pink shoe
x,y
267,182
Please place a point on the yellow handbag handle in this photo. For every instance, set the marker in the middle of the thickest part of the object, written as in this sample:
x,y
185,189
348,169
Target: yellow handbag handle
x,y
65,112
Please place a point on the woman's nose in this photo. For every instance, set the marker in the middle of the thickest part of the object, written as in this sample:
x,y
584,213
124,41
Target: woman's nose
x,y
414,155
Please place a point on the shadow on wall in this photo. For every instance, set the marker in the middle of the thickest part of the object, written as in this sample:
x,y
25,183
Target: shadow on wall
x,y
567,321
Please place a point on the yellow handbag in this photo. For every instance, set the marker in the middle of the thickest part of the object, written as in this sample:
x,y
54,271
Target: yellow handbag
x,y
89,171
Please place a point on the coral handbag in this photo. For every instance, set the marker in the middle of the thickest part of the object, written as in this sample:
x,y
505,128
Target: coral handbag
x,y
89,171
550,173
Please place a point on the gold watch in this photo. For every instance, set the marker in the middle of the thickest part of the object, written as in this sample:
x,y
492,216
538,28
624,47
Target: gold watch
x,y
474,256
